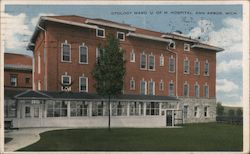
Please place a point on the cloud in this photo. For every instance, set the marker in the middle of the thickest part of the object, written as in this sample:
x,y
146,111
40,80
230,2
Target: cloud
x,y
35,19
16,31
226,86
229,66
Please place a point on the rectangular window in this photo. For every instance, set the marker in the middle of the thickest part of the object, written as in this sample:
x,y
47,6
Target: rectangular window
x,y
66,53
143,90
186,47
121,36
10,109
36,111
132,56
98,109
57,109
83,84
119,109
132,84
152,108
205,111
27,111
206,92
13,80
206,68
161,86
100,32
143,64
185,111
196,67
186,66
151,88
161,60
83,55
196,90
171,64
186,90
27,80
151,65
195,111
78,108
171,89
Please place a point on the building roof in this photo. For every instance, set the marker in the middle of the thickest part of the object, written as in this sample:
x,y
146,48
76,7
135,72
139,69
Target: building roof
x,y
94,23
45,95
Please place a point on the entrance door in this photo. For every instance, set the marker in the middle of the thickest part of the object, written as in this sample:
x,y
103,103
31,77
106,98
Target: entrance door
x,y
169,118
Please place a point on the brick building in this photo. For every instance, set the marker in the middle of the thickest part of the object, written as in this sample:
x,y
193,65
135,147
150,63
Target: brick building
x,y
17,71
168,78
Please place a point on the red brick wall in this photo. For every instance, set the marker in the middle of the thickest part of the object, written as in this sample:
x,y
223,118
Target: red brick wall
x,y
16,59
58,33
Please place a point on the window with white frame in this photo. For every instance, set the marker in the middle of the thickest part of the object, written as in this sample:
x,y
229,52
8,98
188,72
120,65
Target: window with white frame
x,y
161,85
132,56
13,80
83,54
143,87
83,84
206,91
206,72
196,111
121,36
132,84
39,63
171,88
151,87
100,32
186,89
186,66
186,47
98,108
66,52
161,60
134,108
152,108
196,67
151,65
206,111
119,109
171,64
143,63
185,111
66,82
78,108
56,109
196,90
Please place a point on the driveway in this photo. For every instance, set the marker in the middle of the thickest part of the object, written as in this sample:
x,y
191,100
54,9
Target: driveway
x,y
23,137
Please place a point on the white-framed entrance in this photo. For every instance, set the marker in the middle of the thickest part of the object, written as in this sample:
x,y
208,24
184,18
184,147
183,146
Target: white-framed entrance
x,y
173,117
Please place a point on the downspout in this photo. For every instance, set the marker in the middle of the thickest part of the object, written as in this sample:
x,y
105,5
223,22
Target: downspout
x,y
44,58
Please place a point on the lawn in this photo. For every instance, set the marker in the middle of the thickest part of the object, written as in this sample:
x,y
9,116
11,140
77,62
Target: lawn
x,y
192,137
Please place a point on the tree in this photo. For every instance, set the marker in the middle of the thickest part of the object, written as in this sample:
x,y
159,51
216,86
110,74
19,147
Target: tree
x,y
109,70
231,112
219,109
239,112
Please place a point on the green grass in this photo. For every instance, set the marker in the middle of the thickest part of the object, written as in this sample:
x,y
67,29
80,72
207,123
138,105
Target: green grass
x,y
192,137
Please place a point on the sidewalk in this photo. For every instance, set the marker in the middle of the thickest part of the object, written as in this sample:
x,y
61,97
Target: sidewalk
x,y
24,137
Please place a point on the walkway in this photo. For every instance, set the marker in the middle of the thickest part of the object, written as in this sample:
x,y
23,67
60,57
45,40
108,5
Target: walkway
x,y
24,137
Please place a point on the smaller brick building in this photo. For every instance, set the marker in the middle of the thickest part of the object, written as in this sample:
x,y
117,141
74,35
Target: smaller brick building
x,y
17,71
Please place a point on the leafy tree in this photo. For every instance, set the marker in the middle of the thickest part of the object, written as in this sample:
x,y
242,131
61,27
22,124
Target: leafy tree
x,y
109,70
239,112
231,112
219,109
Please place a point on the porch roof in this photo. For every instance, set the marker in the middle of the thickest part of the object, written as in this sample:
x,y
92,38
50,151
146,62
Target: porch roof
x,y
45,95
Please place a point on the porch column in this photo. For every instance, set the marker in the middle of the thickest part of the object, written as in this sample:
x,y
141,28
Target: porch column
x,y
160,108
139,108
68,108
44,109
128,108
90,108
144,108
18,109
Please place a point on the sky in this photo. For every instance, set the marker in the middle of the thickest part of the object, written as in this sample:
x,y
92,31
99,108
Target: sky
x,y
219,25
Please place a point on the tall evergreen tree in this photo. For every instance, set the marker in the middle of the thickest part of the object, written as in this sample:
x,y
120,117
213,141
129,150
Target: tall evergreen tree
x,y
109,70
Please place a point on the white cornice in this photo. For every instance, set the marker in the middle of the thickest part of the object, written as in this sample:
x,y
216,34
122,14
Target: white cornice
x,y
149,37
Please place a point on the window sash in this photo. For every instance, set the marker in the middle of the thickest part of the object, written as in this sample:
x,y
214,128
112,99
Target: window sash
x,y
83,84
143,88
151,65
171,65
186,66
151,88
143,61
83,54
171,89
66,52
197,68
185,90
196,90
